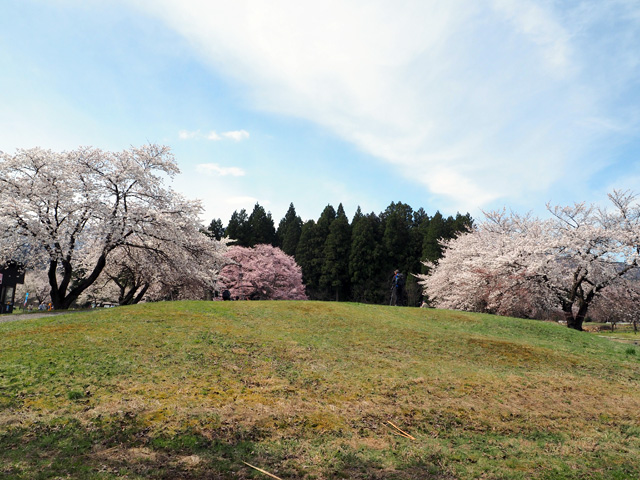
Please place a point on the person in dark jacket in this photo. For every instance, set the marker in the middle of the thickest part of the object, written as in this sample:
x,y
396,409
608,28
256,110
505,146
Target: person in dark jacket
x,y
397,289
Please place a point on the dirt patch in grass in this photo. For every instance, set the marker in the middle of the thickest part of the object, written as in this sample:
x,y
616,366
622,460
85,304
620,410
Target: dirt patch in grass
x,y
453,316
50,330
510,353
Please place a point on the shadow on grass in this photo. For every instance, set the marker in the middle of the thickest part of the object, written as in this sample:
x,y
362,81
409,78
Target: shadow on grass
x,y
115,448
120,447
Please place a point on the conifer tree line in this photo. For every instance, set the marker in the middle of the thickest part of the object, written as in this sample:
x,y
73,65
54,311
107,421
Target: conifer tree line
x,y
353,260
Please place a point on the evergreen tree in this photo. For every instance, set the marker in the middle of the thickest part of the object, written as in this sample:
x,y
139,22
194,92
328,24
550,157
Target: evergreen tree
x,y
419,216
239,229
327,216
335,267
215,229
462,223
431,249
357,216
289,230
308,251
374,245
261,227
366,274
397,223
323,227
419,229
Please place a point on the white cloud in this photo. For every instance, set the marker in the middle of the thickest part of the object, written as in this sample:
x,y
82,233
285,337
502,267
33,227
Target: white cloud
x,y
187,135
215,169
537,23
236,135
240,201
476,101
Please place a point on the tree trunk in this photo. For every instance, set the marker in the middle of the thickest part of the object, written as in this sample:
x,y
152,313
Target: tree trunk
x,y
141,294
59,298
575,321
126,298
572,321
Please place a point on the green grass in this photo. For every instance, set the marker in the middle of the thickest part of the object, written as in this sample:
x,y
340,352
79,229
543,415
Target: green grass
x,y
622,333
305,390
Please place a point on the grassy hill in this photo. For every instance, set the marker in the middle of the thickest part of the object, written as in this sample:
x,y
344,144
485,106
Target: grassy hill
x,y
199,390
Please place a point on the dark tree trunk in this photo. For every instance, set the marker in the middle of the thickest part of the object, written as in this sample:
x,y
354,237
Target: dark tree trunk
x,y
59,297
582,313
126,297
567,310
575,321
141,293
134,295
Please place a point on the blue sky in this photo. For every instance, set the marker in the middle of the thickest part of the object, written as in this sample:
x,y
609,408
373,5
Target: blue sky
x,y
450,106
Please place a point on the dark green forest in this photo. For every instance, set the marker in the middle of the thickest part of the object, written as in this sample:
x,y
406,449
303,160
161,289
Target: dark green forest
x,y
353,260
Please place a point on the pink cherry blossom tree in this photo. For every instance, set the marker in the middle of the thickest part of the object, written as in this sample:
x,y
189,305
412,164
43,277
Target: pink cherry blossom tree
x,y
262,273
520,265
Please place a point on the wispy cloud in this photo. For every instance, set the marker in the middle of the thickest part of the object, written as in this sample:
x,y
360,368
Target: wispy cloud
x,y
236,135
240,201
215,169
477,101
187,135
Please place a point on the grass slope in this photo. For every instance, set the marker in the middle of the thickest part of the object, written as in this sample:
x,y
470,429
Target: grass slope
x,y
304,390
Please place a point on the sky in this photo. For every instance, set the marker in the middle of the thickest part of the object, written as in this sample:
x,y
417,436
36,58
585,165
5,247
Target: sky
x,y
456,106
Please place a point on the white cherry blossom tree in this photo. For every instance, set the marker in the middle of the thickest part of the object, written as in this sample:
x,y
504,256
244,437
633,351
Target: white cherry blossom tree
x,y
185,267
36,284
68,212
618,303
519,265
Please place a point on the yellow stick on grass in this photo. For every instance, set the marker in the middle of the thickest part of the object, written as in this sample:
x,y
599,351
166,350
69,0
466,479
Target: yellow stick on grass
x,y
401,431
395,432
262,471
398,434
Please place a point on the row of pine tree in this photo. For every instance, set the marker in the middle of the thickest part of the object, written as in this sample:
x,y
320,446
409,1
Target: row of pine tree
x,y
350,261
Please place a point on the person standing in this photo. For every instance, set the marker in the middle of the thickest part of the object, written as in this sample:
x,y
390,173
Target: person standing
x,y
397,289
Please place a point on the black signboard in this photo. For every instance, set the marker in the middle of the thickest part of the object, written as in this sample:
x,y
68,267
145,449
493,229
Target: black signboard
x,y
11,274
